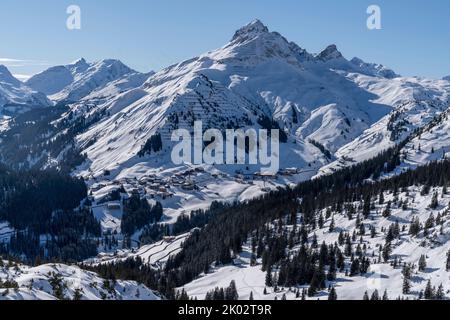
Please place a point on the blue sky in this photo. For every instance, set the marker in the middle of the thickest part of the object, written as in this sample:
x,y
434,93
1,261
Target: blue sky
x,y
151,34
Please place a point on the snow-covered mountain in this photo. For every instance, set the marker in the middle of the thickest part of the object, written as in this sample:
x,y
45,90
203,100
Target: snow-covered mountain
x,y
318,99
16,96
446,78
258,72
58,282
81,79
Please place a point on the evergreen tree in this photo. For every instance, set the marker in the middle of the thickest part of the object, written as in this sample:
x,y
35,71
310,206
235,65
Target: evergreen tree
x,y
231,293
415,227
303,295
269,282
332,225
366,296
422,263
321,221
387,251
375,296
435,201
154,144
421,295
77,294
440,294
387,211
332,296
381,198
447,265
406,286
366,207
373,232
355,268
429,224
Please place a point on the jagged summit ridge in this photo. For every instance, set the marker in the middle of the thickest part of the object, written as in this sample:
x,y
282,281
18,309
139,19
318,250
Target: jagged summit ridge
x,y
16,97
330,53
80,79
254,28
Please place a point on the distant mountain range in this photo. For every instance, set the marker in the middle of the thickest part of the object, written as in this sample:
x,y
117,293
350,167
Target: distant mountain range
x,y
76,81
331,109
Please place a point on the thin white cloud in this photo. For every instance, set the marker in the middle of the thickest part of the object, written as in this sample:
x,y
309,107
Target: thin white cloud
x,y
18,63
22,77
23,69
7,60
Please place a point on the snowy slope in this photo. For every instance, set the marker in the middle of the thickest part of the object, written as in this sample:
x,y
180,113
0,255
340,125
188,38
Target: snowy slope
x,y
80,79
431,144
381,276
16,96
57,281
332,110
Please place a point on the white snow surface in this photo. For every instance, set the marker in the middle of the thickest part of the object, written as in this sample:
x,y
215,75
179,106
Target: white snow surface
x,y
336,102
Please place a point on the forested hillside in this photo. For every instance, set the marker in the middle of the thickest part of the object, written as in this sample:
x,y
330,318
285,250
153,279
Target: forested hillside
x,y
44,209
279,230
